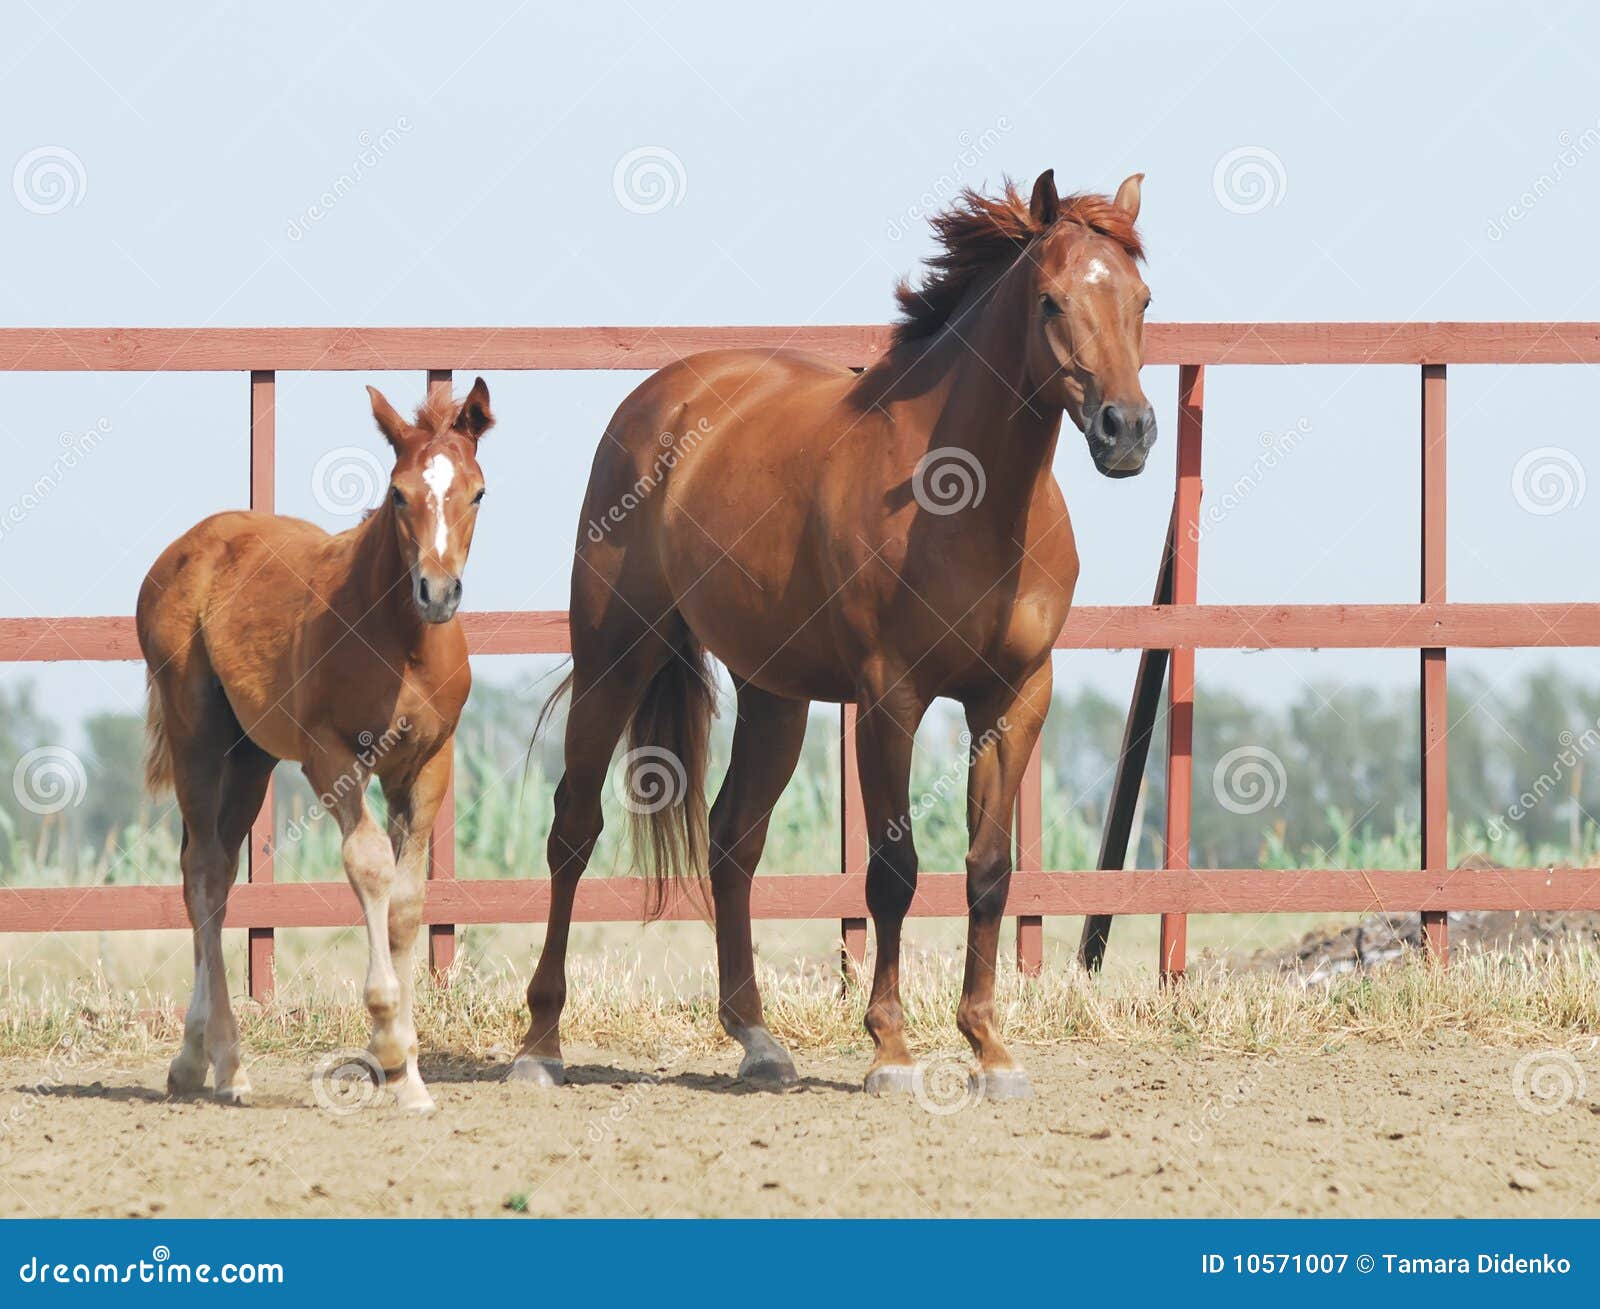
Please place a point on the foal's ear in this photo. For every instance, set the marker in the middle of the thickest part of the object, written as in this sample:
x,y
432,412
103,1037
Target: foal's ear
x,y
390,423
474,418
1127,197
1046,204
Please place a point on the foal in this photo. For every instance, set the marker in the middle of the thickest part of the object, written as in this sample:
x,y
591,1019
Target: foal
x,y
880,540
268,639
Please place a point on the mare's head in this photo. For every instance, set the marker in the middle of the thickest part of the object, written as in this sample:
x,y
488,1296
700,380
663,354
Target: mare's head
x,y
1076,265
434,492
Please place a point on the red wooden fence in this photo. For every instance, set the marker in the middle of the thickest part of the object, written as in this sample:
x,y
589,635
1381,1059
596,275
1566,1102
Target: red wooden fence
x,y
1180,628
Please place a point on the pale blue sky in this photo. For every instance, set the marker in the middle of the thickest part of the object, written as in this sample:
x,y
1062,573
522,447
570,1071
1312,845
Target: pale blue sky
x,y
1396,138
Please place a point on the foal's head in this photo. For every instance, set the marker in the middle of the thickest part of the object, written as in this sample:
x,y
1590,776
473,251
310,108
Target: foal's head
x,y
434,492
1076,261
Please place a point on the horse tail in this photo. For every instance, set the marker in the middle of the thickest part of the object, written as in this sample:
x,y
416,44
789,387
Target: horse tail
x,y
665,776
158,750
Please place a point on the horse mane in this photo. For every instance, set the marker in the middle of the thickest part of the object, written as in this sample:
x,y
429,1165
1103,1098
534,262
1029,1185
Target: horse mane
x,y
979,235
437,413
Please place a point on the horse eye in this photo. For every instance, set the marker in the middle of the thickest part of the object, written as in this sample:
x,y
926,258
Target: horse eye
x,y
396,496
478,499
1050,307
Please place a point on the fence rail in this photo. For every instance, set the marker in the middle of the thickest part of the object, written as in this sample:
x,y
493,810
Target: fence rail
x,y
1171,631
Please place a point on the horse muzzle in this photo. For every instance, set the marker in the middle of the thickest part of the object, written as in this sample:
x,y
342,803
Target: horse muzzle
x,y
1120,437
437,598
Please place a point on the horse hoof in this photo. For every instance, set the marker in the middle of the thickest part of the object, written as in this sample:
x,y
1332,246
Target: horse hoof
x,y
768,1068
1002,1084
185,1081
537,1070
891,1079
413,1097
237,1097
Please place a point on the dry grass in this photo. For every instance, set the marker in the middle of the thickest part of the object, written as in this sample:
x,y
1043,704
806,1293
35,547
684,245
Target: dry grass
x,y
1502,999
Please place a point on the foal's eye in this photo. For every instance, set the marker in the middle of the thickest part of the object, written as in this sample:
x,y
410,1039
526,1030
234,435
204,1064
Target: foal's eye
x,y
396,498
1050,307
478,499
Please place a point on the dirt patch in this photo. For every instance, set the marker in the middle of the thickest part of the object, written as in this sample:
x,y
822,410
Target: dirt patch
x,y
1113,1130
1380,939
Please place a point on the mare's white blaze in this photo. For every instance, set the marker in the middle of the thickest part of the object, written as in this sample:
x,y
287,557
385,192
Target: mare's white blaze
x,y
439,473
1098,272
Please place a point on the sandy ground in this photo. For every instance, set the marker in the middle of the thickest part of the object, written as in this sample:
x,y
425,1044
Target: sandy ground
x,y
1112,1131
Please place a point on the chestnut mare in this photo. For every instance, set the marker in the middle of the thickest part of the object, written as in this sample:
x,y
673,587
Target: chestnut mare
x,y
268,639
883,539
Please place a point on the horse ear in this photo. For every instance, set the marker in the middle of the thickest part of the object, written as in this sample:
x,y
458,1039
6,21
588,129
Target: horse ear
x,y
1046,204
390,423
474,418
1127,198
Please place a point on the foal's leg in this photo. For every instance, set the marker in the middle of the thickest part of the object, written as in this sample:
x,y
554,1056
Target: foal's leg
x,y
218,775
766,747
340,780
886,724
412,811
596,718
1004,726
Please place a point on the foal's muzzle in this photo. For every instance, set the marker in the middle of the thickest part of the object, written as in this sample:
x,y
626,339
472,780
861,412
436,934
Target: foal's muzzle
x,y
437,598
1120,436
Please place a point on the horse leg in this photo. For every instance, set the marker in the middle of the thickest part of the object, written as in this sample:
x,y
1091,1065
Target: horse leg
x,y
886,725
596,719
1004,726
213,767
339,779
766,747
412,810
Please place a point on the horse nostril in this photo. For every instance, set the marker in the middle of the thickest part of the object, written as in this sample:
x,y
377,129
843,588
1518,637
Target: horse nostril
x,y
455,590
1110,422
422,589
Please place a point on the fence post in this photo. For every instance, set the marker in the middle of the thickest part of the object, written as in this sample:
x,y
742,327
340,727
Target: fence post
x,y
1180,677
852,845
1435,700
442,840
1030,858
259,971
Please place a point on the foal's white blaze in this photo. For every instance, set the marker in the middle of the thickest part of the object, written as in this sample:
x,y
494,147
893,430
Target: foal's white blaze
x,y
439,473
1098,272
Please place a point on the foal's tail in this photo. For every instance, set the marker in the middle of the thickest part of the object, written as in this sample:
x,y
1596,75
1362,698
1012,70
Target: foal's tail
x,y
665,775
158,753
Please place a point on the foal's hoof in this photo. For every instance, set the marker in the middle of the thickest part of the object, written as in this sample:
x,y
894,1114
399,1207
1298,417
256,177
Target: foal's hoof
x,y
891,1079
537,1070
237,1095
412,1096
768,1068
1001,1084
184,1080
